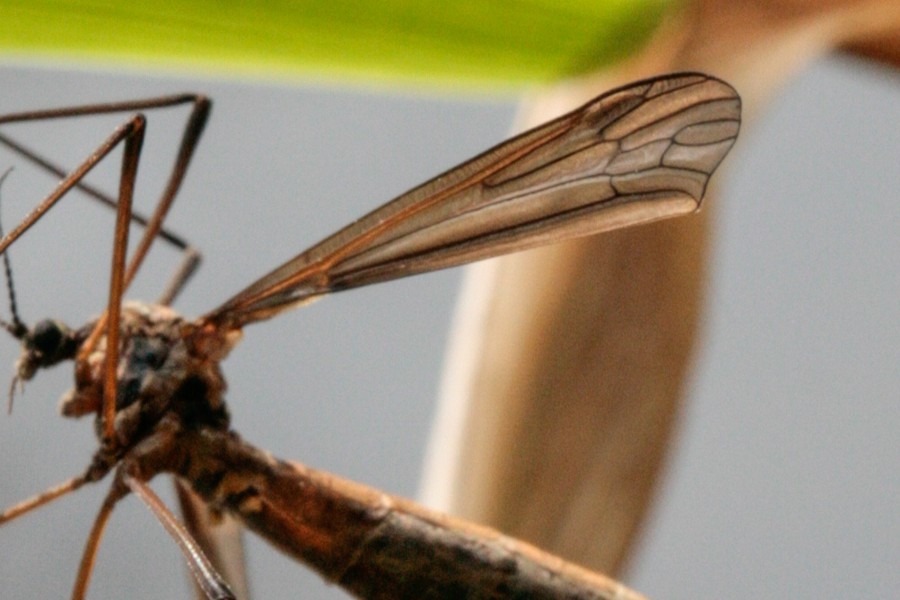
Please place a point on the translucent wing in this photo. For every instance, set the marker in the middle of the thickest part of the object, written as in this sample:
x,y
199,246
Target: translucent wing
x,y
636,154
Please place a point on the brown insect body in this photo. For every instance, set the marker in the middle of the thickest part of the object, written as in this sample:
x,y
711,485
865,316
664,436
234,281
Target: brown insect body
x,y
166,365
171,418
375,545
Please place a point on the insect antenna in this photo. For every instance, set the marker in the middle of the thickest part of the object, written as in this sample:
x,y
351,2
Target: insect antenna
x,y
16,327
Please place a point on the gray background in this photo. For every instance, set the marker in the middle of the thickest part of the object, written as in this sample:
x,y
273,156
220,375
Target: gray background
x,y
785,482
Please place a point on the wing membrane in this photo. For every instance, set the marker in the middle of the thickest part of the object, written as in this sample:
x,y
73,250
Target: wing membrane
x,y
636,154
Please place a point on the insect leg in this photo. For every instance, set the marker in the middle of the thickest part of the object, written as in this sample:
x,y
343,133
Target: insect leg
x,y
192,131
39,500
116,493
134,138
189,264
209,581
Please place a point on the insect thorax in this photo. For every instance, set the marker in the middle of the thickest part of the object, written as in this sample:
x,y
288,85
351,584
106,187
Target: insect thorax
x,y
166,366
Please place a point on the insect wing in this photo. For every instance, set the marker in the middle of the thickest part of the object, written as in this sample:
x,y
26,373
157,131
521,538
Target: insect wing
x,y
634,155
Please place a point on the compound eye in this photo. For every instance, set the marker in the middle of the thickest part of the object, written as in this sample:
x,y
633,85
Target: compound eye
x,y
47,337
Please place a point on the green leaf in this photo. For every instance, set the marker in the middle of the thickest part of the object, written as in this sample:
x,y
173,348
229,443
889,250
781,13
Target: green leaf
x,y
473,42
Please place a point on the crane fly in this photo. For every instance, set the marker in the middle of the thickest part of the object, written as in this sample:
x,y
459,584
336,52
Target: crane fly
x,y
152,379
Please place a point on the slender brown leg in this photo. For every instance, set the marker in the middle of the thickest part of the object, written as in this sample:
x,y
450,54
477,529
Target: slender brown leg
x,y
116,493
134,138
26,506
192,131
101,108
210,582
182,275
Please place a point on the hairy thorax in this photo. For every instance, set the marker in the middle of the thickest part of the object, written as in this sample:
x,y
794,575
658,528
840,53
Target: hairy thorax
x,y
166,365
